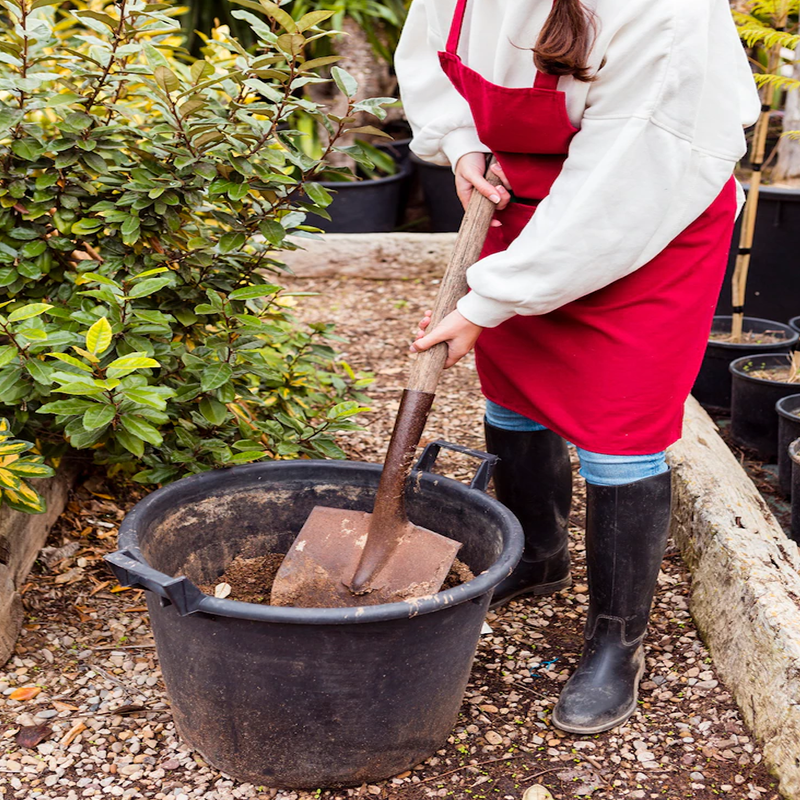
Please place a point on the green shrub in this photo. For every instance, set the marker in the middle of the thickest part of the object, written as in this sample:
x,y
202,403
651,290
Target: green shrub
x,y
143,196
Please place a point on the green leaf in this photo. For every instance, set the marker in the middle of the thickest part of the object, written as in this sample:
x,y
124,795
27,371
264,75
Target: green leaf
x,y
141,429
98,337
345,81
214,411
254,292
98,416
127,364
230,241
146,397
28,311
40,371
318,194
133,444
215,376
7,354
66,407
150,286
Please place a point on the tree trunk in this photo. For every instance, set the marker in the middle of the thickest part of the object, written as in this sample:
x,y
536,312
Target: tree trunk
x,y
787,170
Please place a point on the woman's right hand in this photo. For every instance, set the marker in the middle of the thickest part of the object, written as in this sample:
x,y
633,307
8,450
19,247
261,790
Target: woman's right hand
x,y
469,173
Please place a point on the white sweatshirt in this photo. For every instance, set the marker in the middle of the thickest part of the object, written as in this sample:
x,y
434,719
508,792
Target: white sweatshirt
x,y
660,132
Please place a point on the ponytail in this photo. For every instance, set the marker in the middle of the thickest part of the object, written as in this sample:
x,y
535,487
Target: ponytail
x,y
565,41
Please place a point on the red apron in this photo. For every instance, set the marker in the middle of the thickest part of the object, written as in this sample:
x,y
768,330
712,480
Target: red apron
x,y
611,371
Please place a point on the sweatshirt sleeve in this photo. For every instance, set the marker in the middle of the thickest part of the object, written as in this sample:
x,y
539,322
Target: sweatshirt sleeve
x,y
640,170
440,118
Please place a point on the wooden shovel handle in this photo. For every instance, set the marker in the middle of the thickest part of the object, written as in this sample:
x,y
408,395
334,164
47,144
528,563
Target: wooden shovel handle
x,y
428,366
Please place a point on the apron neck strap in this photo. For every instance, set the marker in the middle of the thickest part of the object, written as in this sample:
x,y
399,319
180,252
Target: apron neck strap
x,y
456,26
545,81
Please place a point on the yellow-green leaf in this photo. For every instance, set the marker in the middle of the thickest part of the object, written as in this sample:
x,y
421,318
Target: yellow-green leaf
x,y
28,311
98,337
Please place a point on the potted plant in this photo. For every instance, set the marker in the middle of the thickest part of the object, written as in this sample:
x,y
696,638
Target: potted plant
x,y
765,26
770,225
788,409
759,383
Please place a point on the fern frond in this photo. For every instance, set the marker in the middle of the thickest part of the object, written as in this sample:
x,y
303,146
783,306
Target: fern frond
x,y
777,82
753,33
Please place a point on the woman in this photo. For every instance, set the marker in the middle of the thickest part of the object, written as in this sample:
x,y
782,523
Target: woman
x,y
616,127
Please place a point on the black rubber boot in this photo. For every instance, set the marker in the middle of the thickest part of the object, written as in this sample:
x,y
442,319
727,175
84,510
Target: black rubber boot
x,y
626,535
533,479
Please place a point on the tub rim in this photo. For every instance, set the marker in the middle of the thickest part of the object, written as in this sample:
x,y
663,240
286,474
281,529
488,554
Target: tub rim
x,y
128,545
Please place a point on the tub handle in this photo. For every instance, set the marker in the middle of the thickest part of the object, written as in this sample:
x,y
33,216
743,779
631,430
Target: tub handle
x,y
480,480
130,571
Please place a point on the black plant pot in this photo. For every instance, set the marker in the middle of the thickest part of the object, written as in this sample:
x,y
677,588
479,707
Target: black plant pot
x,y
439,190
794,324
310,697
712,389
773,283
754,423
367,206
794,455
788,409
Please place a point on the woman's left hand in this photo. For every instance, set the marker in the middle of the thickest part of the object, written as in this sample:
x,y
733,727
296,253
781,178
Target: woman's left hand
x,y
459,333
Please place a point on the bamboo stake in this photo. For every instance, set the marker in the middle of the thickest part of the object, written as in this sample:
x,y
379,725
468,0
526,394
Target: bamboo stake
x,y
757,152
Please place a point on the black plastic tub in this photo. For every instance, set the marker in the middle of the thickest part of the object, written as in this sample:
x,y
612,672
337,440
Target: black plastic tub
x,y
794,455
366,206
794,324
754,422
439,192
788,409
712,389
303,697
773,283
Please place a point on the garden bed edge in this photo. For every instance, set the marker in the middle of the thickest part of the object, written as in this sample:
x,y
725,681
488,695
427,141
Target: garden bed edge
x,y
745,594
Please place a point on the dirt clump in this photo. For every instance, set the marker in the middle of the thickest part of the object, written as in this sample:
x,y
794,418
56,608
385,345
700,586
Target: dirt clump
x,y
251,579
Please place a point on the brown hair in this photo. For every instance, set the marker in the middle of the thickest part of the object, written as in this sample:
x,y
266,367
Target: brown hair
x,y
565,40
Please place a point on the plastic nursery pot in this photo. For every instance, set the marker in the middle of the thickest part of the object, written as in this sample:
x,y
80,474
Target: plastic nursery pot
x,y
794,324
712,389
794,455
439,190
366,206
754,423
773,283
304,697
788,409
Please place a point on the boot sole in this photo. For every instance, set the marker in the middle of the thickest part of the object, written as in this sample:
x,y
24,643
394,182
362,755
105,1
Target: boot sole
x,y
535,591
606,726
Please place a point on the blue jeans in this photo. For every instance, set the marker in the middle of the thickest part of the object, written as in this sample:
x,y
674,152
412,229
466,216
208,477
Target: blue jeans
x,y
596,468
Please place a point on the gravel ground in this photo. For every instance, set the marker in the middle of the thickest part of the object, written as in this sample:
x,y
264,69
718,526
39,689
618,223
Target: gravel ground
x,y
101,716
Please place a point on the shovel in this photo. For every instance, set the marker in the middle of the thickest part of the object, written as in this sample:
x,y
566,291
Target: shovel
x,y
346,558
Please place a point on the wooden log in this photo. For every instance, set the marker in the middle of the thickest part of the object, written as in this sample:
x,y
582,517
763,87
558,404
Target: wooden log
x,y
745,594
21,538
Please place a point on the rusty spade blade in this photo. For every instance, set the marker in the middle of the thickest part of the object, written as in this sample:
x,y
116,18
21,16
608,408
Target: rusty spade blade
x,y
317,570
350,558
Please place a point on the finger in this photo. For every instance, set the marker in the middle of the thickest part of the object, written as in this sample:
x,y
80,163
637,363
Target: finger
x,y
493,193
495,223
498,170
437,335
